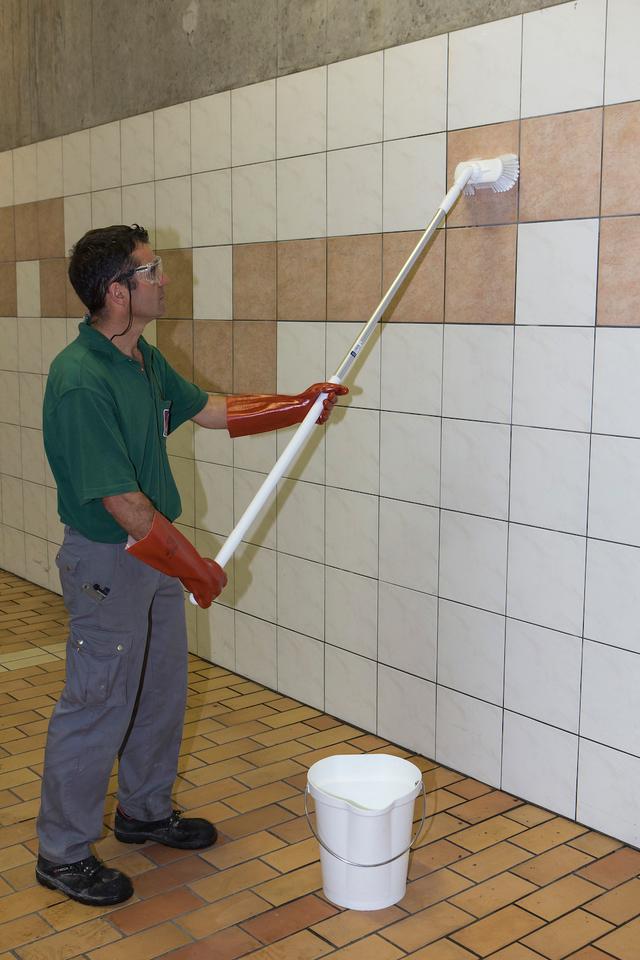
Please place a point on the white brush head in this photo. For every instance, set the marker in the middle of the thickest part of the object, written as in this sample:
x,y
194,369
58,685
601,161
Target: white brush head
x,y
498,174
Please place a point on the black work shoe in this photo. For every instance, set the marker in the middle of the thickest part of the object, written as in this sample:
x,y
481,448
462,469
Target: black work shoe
x,y
87,881
186,833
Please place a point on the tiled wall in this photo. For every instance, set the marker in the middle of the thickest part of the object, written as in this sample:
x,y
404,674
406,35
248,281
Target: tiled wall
x,y
455,562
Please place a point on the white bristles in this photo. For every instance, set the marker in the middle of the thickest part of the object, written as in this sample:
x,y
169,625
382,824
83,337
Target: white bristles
x,y
498,174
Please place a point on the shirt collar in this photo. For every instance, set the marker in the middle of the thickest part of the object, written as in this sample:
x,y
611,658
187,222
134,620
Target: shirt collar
x,y
94,340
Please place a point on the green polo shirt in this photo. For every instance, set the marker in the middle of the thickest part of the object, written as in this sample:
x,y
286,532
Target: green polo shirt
x,y
104,422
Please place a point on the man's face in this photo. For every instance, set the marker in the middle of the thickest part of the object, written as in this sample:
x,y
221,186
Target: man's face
x,y
147,299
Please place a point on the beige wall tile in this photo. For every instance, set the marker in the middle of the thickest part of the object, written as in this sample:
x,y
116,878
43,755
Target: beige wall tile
x,y
53,293
175,341
480,275
7,234
178,267
354,276
421,297
560,166
619,281
620,169
302,280
51,228
26,231
489,141
213,355
8,290
254,356
254,281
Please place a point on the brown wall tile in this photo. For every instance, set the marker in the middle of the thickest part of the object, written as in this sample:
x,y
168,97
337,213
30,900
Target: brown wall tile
x,y
213,355
178,268
620,152
421,297
75,307
254,281
490,141
26,229
7,234
302,280
254,356
175,342
480,275
53,288
51,228
354,276
560,159
619,279
8,290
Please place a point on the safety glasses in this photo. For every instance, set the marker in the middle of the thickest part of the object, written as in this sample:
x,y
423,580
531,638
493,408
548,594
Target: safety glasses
x,y
149,272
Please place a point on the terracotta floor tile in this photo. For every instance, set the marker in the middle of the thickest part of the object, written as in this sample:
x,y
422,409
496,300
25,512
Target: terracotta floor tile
x,y
166,878
614,869
69,943
263,819
226,751
25,930
189,797
225,913
433,856
516,951
147,913
143,946
301,946
373,948
228,944
504,856
560,897
443,950
292,885
549,834
428,925
595,844
590,953
486,806
619,905
562,937
264,756
285,920
493,894
469,789
293,831
239,851
438,826
354,924
529,815
271,774
272,738
233,880
261,797
294,856
432,889
291,716
496,931
339,734
217,771
20,904
488,833
552,865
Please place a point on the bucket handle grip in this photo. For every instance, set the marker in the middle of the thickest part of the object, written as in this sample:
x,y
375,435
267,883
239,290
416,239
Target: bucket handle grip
x,y
382,863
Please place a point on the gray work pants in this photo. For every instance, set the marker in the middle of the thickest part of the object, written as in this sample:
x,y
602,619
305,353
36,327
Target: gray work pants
x,y
125,694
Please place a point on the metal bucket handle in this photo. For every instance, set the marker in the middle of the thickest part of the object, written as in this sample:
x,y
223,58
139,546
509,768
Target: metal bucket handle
x,y
382,863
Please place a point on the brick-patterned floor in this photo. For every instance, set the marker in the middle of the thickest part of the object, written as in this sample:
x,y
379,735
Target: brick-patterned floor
x,y
492,876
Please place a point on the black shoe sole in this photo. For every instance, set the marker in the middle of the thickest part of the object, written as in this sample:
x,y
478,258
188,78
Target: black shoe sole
x,y
143,837
73,895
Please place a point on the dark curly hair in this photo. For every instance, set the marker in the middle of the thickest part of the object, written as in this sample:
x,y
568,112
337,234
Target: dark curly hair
x,y
100,257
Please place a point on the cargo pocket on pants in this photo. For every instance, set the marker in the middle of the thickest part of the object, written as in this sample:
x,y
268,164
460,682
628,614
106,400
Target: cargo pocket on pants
x,y
97,663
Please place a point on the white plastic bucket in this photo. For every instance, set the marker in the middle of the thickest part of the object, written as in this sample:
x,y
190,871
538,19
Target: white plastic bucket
x,y
364,812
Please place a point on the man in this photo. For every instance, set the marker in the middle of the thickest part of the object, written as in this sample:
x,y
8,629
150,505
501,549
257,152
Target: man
x,y
111,401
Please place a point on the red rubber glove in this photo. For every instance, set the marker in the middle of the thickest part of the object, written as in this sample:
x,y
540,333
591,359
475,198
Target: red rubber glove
x,y
249,414
167,550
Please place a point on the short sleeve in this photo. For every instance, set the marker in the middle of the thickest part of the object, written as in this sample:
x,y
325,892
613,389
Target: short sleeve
x,y
186,398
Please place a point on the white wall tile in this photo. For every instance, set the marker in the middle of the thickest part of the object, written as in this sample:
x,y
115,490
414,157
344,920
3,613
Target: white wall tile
x,y
257,453
309,464
213,497
212,283
563,57
6,178
35,509
301,354
137,148
471,651
30,345
412,368
139,206
77,218
255,579
622,73
28,287
410,457
301,524
409,545
351,612
173,213
211,132
9,396
414,181
350,687
183,470
36,560
32,455
354,190
262,531
352,450
475,467
302,197
415,88
211,208
12,503
345,512
256,650
76,162
253,123
542,674
254,203
14,550
614,511
540,763
301,595
215,630
301,124
106,207
216,446
609,706
478,95
553,371
208,545
612,602
549,477
469,735
25,176
616,388
406,710
172,142
546,578
105,156
49,167
478,363
10,459
407,630
9,341
354,111
557,270
364,379
610,811
473,560
301,667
